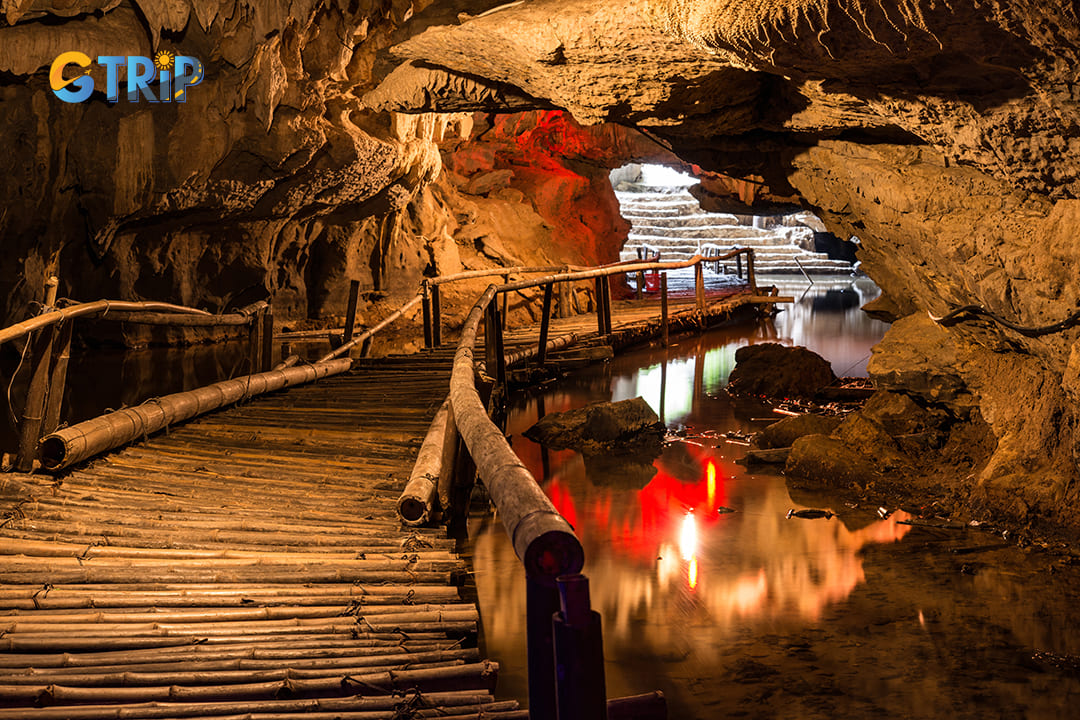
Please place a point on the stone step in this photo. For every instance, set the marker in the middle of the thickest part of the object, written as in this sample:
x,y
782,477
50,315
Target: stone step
x,y
697,219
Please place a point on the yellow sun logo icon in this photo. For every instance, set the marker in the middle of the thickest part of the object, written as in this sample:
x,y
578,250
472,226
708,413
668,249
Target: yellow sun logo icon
x,y
163,60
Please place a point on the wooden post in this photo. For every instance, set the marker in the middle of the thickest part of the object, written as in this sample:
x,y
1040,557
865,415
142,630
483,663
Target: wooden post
x,y
663,309
493,344
255,343
505,300
350,310
51,286
541,604
564,300
545,322
738,265
640,292
579,653
699,285
598,287
267,339
751,278
605,291
436,317
426,302
58,381
34,411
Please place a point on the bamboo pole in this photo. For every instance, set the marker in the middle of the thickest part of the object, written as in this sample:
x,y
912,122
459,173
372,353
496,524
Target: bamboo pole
x,y
436,316
99,307
33,416
313,708
179,320
58,379
417,502
365,336
699,286
545,323
71,445
470,676
663,309
542,539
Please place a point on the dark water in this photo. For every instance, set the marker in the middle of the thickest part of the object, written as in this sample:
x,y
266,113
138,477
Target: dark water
x,y
750,614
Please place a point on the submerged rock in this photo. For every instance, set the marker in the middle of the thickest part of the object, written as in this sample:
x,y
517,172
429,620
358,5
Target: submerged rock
x,y
784,433
626,426
776,370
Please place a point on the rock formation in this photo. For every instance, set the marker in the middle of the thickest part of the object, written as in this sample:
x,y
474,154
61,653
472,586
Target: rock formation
x,y
382,140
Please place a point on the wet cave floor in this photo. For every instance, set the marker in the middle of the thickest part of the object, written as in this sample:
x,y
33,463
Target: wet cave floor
x,y
711,593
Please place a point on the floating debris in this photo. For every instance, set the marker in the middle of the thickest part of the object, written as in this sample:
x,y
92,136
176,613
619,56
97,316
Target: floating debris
x,y
884,513
725,510
809,514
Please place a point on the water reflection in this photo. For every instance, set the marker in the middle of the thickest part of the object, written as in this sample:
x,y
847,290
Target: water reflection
x,y
709,592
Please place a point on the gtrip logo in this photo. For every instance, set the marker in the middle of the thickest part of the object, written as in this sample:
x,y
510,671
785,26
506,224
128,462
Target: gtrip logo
x,y
174,74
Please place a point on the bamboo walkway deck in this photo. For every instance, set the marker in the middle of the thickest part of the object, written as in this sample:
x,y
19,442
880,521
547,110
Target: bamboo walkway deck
x,y
250,564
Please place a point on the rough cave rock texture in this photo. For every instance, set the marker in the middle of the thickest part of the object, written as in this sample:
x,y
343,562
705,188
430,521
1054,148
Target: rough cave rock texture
x,y
380,140
944,135
274,180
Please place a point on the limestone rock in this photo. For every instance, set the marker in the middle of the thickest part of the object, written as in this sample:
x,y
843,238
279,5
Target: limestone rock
x,y
775,370
784,433
623,426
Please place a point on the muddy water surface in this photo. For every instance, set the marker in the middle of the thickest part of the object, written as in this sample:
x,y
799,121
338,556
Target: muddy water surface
x,y
710,593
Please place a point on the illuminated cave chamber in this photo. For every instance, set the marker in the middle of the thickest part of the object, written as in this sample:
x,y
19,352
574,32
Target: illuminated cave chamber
x,y
667,220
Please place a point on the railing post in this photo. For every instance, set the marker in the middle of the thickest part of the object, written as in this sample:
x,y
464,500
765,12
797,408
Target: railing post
x,y
58,381
426,302
350,310
505,300
255,343
564,299
493,344
436,316
541,604
640,293
268,338
33,412
605,286
738,265
750,275
545,322
33,417
699,285
663,309
579,653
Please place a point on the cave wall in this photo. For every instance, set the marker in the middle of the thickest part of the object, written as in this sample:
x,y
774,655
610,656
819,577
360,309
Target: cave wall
x,y
273,180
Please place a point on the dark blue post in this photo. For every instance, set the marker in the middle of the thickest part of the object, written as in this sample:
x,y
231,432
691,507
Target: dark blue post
x,y
579,653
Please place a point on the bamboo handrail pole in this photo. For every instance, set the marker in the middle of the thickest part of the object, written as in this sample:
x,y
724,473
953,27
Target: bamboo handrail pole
x,y
38,644
417,501
91,308
80,441
180,320
542,538
370,332
311,708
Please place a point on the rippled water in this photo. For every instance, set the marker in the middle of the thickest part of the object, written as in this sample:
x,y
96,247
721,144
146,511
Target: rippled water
x,y
710,593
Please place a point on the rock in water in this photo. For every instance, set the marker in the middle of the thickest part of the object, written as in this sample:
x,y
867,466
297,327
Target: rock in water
x,y
627,426
775,370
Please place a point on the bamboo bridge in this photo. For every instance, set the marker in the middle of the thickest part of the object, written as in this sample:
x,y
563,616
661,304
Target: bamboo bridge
x,y
252,563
